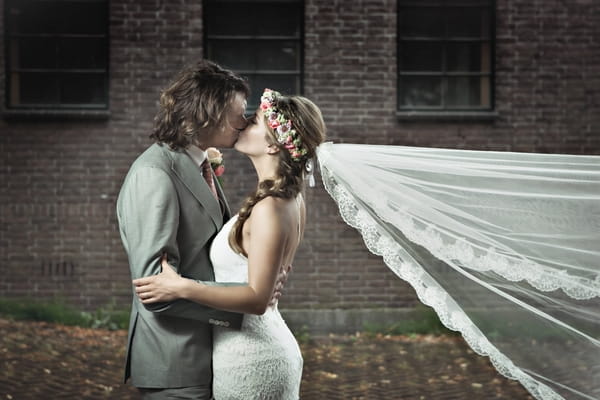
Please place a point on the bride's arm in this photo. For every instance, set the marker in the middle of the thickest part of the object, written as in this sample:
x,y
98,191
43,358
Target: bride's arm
x,y
265,256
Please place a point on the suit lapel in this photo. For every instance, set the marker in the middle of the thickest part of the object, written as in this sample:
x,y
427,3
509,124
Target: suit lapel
x,y
226,210
191,176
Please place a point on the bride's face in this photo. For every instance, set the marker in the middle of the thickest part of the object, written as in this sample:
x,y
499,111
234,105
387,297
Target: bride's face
x,y
253,140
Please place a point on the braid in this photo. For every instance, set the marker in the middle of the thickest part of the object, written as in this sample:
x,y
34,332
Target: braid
x,y
286,186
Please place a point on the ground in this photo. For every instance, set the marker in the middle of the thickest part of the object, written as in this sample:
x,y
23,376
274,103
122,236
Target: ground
x,y
50,361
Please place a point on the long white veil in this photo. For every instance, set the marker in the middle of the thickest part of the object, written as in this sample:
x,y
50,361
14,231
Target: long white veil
x,y
504,246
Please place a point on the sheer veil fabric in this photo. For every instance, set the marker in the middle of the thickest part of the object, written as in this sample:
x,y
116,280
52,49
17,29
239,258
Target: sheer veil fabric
x,y
504,246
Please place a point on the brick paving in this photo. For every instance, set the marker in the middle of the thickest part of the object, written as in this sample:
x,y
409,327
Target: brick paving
x,y
50,361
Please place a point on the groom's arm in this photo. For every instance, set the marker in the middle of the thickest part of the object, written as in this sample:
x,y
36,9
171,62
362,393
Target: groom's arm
x,y
148,213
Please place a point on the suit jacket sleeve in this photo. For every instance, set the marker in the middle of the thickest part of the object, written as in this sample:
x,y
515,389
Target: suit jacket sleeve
x,y
148,213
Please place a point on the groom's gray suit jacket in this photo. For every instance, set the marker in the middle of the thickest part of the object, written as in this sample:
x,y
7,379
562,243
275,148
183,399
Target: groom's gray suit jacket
x,y
165,205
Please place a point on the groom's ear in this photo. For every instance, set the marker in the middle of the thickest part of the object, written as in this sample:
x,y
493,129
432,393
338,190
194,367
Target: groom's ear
x,y
273,149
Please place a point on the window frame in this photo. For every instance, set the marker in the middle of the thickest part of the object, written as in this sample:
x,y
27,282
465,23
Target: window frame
x,y
443,112
56,110
299,73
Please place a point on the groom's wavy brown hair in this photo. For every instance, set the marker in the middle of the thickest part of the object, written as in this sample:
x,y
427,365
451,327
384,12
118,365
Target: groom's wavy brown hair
x,y
289,182
196,103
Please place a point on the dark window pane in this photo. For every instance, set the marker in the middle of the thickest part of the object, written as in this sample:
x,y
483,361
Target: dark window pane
x,y
233,54
38,88
286,84
49,17
223,19
468,22
29,16
83,89
466,91
50,37
421,22
420,91
35,52
280,19
243,55
483,3
275,19
82,53
467,57
278,55
85,18
421,56
32,17
257,38
445,39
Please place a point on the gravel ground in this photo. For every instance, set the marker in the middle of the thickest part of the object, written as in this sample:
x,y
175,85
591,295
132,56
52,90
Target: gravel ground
x,y
50,361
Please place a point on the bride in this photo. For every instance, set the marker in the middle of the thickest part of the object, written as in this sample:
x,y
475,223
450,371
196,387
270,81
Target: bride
x,y
263,360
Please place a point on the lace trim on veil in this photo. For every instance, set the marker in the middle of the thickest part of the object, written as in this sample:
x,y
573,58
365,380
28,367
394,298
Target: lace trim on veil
x,y
446,248
430,293
470,230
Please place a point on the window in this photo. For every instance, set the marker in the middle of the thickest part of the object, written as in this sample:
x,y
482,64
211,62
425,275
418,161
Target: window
x,y
260,40
445,56
57,54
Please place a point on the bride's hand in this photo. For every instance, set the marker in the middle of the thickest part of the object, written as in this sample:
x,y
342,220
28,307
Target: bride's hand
x,y
166,286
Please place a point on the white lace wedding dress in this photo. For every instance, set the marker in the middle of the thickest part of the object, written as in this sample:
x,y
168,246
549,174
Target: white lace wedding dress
x,y
260,361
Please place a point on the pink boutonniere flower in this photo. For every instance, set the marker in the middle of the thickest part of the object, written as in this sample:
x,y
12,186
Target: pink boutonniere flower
x,y
219,170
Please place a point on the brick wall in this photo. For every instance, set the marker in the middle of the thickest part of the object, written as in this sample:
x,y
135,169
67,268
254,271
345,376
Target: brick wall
x,y
60,179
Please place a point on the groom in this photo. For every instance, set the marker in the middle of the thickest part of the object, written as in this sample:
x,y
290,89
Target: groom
x,y
170,202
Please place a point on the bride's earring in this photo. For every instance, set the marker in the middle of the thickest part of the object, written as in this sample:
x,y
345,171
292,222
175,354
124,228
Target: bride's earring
x,y
310,172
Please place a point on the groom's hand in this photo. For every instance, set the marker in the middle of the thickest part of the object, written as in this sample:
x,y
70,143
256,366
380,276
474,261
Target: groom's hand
x,y
282,278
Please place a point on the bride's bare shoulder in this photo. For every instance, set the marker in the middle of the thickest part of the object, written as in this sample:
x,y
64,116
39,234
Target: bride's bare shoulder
x,y
273,203
273,207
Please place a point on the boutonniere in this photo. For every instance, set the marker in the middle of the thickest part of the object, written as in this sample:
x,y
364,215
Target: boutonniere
x,y
215,158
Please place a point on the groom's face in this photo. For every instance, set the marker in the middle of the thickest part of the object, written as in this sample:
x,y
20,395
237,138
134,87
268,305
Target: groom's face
x,y
235,122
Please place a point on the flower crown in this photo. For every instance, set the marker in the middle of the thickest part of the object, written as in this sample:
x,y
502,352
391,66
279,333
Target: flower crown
x,y
286,134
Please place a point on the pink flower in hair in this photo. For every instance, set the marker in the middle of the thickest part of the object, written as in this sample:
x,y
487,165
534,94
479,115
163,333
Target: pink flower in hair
x,y
281,125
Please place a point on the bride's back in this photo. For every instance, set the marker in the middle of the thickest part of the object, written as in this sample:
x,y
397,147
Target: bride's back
x,y
291,219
